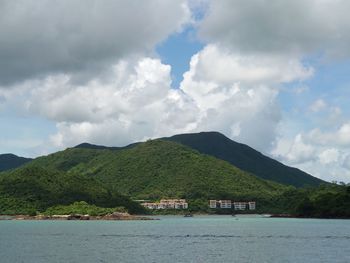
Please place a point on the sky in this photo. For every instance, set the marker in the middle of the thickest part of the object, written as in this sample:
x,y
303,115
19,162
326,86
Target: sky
x,y
271,74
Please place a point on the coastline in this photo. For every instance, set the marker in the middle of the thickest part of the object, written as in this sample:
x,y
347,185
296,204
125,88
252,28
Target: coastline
x,y
114,216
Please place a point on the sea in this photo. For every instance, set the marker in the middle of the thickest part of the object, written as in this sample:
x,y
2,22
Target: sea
x,y
177,239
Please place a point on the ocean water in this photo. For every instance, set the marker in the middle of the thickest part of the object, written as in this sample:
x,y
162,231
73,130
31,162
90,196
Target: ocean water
x,y
177,239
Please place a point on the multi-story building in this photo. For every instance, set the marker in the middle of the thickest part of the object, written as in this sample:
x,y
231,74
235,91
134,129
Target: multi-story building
x,y
251,205
225,203
213,204
240,205
150,205
167,204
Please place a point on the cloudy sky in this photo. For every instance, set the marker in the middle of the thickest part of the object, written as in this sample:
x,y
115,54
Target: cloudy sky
x,y
272,74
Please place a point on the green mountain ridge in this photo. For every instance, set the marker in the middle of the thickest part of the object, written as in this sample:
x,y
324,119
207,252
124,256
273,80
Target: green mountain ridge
x,y
163,168
245,158
238,154
10,161
150,170
157,169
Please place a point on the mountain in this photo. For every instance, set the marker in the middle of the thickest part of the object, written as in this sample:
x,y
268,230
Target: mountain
x,y
159,169
11,161
245,158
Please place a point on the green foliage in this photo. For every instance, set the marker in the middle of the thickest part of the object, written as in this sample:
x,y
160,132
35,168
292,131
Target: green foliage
x,y
153,170
82,208
13,206
245,158
160,169
326,202
34,187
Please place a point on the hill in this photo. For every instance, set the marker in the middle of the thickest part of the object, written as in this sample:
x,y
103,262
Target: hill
x,y
245,158
159,169
11,161
35,188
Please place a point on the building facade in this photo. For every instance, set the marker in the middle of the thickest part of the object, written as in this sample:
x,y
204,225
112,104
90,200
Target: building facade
x,y
228,204
167,204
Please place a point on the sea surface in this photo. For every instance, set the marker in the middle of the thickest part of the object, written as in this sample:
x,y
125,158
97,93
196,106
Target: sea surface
x,y
177,239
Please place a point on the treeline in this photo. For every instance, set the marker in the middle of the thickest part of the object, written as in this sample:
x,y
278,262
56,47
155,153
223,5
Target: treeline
x,y
33,189
325,201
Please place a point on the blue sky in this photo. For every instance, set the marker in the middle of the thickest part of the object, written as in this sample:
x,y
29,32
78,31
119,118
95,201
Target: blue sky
x,y
177,51
121,75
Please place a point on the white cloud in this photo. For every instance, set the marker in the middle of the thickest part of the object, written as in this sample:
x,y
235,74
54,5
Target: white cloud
x,y
296,26
296,151
133,100
339,137
237,93
329,156
38,37
135,103
323,154
227,67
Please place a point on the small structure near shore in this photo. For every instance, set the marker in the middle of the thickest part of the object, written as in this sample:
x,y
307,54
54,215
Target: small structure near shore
x,y
228,204
167,204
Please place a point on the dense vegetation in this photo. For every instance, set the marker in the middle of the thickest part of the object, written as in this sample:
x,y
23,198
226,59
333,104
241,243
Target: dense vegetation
x,y
11,161
34,188
82,208
160,169
152,170
324,202
245,158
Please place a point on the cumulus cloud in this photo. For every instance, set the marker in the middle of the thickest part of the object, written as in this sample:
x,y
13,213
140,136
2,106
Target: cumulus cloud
x,y
339,136
273,26
323,154
329,156
237,93
38,37
294,151
133,99
135,103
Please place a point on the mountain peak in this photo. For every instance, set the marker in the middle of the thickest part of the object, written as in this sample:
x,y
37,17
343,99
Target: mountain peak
x,y
245,158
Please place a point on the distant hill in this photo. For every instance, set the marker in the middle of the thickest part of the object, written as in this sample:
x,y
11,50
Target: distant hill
x,y
86,145
11,161
245,158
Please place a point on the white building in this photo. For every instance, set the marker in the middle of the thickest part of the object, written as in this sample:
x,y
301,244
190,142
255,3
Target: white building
x,y
167,204
225,203
240,205
213,203
251,205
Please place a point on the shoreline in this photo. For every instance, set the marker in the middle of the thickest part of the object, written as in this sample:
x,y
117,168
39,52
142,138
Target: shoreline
x,y
77,217
126,216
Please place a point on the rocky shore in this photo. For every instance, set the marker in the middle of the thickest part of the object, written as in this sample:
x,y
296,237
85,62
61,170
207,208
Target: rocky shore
x,y
113,216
